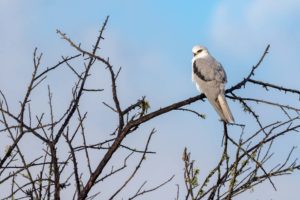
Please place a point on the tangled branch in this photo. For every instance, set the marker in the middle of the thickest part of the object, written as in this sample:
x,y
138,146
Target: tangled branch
x,y
77,172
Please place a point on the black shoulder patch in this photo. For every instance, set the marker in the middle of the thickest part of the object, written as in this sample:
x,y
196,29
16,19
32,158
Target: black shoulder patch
x,y
198,73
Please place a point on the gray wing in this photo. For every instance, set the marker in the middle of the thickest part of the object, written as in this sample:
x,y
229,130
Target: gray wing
x,y
209,70
210,77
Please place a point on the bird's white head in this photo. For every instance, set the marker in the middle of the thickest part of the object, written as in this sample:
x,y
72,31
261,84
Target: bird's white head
x,y
200,51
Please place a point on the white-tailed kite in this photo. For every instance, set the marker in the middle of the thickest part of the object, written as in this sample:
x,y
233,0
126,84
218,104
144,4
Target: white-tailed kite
x,y
210,78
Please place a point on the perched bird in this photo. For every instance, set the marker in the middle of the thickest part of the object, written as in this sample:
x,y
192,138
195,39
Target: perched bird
x,y
210,78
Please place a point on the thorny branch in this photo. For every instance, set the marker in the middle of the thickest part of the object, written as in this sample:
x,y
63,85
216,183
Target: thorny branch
x,y
88,162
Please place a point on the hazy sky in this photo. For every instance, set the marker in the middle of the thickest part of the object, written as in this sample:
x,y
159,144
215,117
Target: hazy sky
x,y
152,42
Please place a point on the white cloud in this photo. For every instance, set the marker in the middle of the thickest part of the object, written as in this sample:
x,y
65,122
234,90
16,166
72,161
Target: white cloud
x,y
268,10
241,31
15,50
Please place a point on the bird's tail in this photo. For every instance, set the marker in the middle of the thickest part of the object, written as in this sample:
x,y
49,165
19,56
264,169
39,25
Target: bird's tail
x,y
224,109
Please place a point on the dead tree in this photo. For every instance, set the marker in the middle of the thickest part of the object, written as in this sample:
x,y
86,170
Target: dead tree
x,y
48,175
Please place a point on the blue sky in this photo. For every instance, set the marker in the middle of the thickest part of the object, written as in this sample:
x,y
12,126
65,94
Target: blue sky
x,y
152,42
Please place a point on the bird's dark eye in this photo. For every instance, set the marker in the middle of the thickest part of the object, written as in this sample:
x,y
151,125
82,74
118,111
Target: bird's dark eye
x,y
199,51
